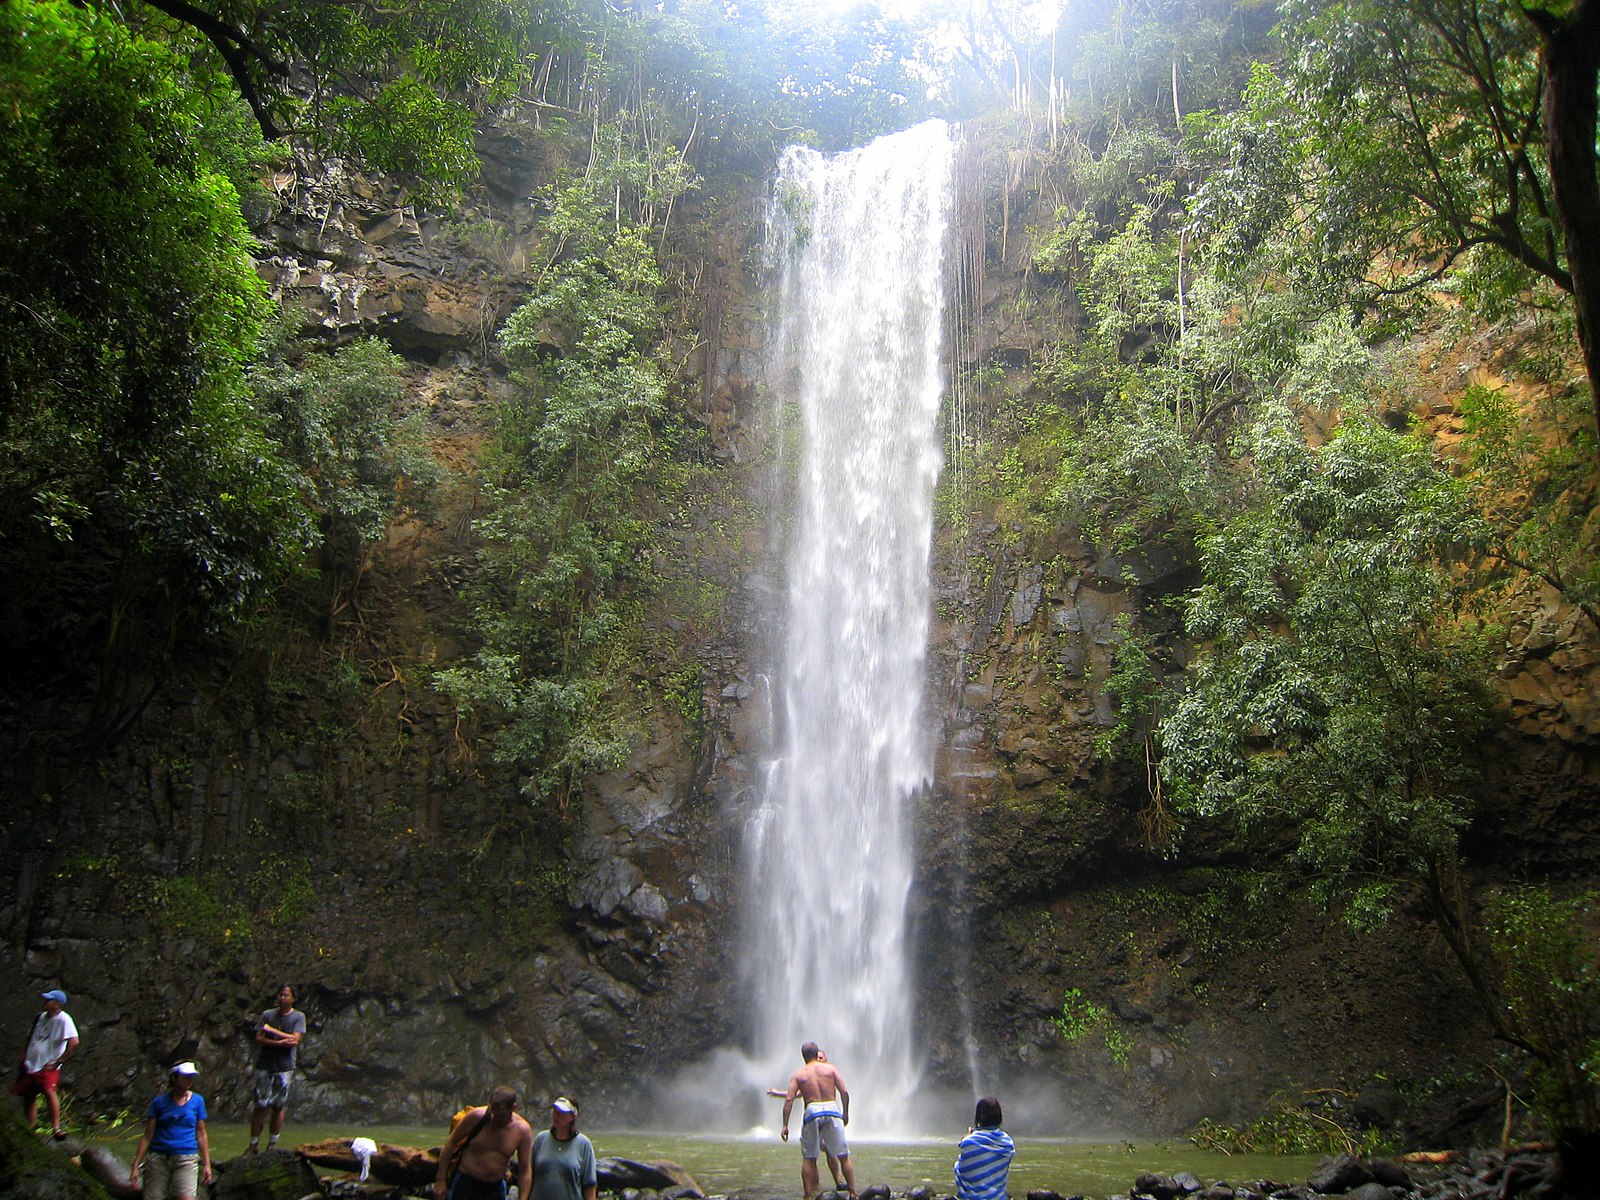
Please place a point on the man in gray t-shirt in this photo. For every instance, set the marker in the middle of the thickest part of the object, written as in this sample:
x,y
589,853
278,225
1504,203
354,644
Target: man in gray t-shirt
x,y
278,1034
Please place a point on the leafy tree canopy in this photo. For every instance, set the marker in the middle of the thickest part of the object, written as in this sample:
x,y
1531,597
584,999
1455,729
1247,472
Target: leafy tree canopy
x,y
129,306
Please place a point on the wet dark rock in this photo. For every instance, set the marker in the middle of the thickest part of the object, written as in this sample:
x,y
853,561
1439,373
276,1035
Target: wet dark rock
x,y
1377,1107
921,1192
1369,1191
620,1174
270,1175
351,1189
31,1170
1339,1174
1389,1173
1161,1187
1044,1194
877,1191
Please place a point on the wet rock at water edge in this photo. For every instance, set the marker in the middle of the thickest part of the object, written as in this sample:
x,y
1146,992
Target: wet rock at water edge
x,y
1345,1173
1167,1187
616,1174
270,1175
877,1191
351,1189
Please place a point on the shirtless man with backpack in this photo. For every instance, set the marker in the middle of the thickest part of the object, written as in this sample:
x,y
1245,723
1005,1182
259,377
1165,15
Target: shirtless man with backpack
x,y
486,1139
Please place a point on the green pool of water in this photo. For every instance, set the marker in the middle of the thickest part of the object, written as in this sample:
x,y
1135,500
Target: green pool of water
x,y
723,1163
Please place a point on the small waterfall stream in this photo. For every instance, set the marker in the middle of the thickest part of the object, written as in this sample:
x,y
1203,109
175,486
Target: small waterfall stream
x,y
859,239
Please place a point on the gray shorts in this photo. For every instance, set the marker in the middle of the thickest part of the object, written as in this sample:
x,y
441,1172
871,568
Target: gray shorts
x,y
823,1130
272,1088
172,1175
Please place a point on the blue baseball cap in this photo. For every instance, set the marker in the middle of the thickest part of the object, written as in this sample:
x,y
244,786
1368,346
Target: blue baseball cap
x,y
55,994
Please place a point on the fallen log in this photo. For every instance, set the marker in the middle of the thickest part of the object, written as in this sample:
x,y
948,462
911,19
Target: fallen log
x,y
406,1166
109,1171
401,1166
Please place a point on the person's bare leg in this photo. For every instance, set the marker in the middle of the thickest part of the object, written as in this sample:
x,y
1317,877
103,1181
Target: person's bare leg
x,y
258,1118
277,1121
808,1176
53,1102
833,1169
849,1166
30,1109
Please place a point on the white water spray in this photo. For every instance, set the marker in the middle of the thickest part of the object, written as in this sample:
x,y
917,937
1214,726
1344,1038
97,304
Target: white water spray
x,y
860,238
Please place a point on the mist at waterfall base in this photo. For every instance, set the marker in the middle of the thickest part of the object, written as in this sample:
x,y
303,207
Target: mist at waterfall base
x,y
856,253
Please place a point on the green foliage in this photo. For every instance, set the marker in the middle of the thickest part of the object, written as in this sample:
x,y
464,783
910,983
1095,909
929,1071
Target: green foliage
x,y
1548,952
1532,486
1310,1124
1391,139
1337,692
336,416
129,307
186,904
565,542
408,131
1081,1018
1121,58
397,87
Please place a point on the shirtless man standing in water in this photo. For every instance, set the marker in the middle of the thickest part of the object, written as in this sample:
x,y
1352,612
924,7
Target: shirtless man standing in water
x,y
827,1112
492,1136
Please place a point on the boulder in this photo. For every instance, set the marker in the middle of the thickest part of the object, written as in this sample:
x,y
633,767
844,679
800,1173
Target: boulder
x,y
270,1175
1339,1174
1388,1172
1162,1187
30,1170
1369,1191
614,1174
877,1191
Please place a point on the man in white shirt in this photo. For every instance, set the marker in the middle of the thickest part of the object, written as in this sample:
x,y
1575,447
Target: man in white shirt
x,y
52,1038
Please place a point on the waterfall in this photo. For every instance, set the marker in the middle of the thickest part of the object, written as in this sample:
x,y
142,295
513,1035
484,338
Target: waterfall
x,y
859,242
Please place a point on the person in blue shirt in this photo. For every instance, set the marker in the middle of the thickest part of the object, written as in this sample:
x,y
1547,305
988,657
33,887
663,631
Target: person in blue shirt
x,y
984,1159
174,1152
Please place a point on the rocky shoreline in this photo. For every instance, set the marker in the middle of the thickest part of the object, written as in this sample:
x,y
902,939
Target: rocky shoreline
x,y
398,1172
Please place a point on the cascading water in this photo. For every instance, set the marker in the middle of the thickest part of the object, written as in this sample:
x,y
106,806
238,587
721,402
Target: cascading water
x,y
860,240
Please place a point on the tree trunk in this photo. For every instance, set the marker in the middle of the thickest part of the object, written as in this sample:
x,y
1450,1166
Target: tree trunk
x,y
1572,73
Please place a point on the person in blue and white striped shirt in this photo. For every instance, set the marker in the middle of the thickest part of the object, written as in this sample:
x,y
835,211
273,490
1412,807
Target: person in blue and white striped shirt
x,y
984,1159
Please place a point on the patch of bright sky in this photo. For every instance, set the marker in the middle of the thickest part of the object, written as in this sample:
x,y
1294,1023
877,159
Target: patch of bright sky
x,y
1035,16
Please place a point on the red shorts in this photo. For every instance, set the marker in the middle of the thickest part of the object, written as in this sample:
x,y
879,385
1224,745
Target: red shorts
x,y
34,1082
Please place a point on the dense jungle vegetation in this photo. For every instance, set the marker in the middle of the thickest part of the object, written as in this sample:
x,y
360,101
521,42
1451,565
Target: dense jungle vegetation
x,y
1258,210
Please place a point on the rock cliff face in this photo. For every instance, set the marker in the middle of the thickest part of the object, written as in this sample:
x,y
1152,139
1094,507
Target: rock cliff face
x,y
289,808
